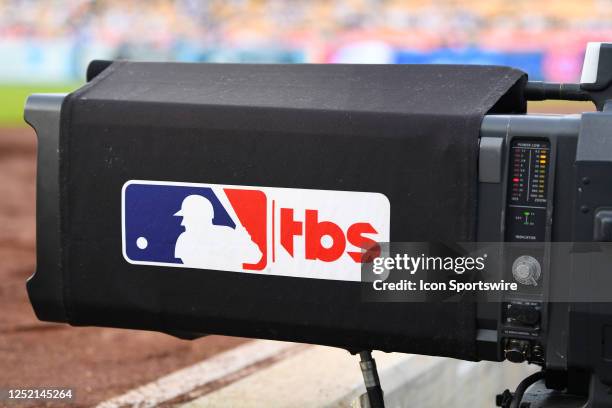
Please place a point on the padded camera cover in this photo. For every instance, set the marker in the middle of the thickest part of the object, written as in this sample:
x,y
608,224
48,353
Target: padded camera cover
x,y
409,132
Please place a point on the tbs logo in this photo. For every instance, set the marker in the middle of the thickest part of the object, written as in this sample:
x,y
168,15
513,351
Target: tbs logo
x,y
280,231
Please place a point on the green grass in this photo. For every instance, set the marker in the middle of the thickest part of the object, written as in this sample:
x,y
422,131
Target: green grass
x,y
13,97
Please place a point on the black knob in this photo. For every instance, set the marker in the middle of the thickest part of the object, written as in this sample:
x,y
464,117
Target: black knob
x,y
516,351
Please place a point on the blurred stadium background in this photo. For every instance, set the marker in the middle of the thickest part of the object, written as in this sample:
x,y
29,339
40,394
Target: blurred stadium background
x,y
46,45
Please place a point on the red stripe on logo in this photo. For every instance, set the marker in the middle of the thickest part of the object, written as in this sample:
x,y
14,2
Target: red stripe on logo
x,y
250,207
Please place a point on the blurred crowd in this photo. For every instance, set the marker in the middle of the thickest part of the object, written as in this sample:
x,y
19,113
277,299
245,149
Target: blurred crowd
x,y
304,30
290,23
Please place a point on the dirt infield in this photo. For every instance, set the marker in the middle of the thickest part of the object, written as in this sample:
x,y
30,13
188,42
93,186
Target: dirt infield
x,y
97,363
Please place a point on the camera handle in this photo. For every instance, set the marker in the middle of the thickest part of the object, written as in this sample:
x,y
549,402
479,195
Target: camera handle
x,y
595,82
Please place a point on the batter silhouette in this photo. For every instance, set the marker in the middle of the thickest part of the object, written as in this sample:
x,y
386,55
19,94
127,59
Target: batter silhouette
x,y
209,246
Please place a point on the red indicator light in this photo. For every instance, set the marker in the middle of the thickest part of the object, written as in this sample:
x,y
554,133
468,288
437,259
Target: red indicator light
x,y
516,179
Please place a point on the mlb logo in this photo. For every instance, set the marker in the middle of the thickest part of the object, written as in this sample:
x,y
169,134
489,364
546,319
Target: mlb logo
x,y
279,231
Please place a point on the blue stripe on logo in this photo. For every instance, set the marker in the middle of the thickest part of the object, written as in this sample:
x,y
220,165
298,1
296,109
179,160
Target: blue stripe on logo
x,y
151,229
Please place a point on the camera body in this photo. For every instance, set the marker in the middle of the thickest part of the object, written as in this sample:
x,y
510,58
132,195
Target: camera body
x,y
542,322
287,145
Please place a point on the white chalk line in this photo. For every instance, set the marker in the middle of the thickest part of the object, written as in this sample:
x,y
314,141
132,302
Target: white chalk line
x,y
187,379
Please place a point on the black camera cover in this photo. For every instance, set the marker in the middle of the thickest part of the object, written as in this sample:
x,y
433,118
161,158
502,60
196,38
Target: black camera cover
x,y
409,132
